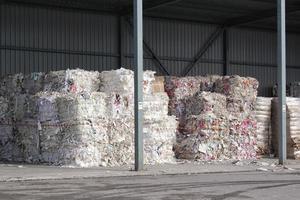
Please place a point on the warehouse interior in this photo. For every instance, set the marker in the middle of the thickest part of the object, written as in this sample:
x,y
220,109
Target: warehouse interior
x,y
181,38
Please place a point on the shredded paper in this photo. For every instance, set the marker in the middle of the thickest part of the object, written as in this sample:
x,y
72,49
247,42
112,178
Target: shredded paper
x,y
216,116
82,118
292,126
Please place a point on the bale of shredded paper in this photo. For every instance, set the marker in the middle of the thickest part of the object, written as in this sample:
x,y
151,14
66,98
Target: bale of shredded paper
x,y
122,81
156,107
264,131
178,90
6,131
293,126
60,118
226,101
119,105
181,91
203,102
159,138
72,128
243,137
26,127
237,87
11,85
75,81
203,137
118,85
74,143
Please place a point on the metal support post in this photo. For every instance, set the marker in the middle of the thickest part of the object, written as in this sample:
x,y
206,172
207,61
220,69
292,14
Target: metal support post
x,y
138,83
281,51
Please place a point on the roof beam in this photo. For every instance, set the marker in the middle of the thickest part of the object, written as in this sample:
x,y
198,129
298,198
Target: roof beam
x,y
152,6
257,16
161,4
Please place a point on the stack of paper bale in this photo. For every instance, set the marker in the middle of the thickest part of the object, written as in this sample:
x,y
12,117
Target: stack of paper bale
x,y
68,118
159,128
7,144
74,81
293,126
264,132
219,124
295,89
182,89
72,128
10,87
206,131
241,93
72,119
54,126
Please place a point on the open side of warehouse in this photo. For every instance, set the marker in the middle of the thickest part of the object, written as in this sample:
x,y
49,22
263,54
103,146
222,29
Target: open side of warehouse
x,y
227,40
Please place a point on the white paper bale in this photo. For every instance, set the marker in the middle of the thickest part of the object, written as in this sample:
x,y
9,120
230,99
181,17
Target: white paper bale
x,y
264,131
122,81
293,126
155,107
159,138
77,143
74,81
120,150
120,105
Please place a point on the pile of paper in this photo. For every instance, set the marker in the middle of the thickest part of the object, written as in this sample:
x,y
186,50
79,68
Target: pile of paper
x,y
181,90
241,93
159,128
264,131
218,124
82,118
203,133
237,87
6,137
121,81
293,126
11,85
74,81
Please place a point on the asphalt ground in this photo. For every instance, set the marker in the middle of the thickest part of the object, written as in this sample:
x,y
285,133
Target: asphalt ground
x,y
213,186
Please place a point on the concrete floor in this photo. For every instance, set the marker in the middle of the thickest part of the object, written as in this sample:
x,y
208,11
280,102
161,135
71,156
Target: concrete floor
x,y
260,179
220,186
15,172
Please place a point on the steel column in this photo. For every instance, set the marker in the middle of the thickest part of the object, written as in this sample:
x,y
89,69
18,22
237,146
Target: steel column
x,y
138,83
281,51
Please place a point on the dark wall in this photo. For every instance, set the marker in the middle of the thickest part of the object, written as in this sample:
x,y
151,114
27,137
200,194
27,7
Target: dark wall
x,y
44,39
